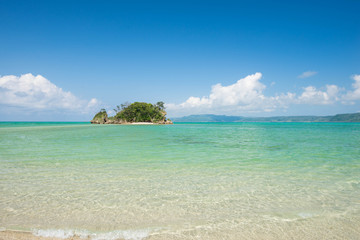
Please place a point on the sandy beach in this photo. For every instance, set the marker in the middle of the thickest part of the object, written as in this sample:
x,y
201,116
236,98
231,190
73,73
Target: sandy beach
x,y
339,228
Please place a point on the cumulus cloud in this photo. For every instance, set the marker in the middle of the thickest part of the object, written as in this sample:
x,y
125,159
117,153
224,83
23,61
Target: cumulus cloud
x,y
307,74
244,92
244,95
247,95
36,92
317,97
93,103
355,93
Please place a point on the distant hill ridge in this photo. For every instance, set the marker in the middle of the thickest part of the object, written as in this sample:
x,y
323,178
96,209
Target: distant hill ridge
x,y
349,117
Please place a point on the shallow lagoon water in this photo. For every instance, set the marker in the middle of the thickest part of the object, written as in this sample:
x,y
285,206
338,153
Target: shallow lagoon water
x,y
181,181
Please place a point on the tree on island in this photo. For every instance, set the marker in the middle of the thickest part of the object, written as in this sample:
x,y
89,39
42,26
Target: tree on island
x,y
160,106
117,109
135,112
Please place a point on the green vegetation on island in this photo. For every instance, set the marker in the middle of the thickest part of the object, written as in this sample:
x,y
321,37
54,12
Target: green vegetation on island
x,y
134,113
100,117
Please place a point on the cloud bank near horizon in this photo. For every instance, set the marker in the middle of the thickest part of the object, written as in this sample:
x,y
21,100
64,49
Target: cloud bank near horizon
x,y
31,92
247,96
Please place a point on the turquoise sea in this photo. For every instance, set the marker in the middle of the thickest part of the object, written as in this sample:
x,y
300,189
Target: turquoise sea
x,y
181,181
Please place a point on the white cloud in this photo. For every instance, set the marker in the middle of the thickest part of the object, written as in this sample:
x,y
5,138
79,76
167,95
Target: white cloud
x,y
93,102
354,94
313,96
247,95
244,95
307,74
36,92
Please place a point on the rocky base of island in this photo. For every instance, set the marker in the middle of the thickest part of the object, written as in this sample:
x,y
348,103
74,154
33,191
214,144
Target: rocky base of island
x,y
110,121
139,113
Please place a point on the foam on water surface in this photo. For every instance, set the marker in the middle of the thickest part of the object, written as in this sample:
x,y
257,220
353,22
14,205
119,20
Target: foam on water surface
x,y
58,233
83,234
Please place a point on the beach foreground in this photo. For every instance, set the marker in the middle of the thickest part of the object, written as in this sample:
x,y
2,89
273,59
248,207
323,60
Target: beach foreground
x,y
182,181
337,228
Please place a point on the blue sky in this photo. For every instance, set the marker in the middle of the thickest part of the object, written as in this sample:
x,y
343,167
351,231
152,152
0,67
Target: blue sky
x,y
64,60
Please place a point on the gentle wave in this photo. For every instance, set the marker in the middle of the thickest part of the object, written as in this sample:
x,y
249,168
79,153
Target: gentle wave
x,y
83,234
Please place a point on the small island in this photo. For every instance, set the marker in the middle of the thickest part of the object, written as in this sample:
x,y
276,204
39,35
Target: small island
x,y
134,113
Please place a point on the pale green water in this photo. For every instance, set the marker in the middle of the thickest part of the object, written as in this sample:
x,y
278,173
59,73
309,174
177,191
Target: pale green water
x,y
182,181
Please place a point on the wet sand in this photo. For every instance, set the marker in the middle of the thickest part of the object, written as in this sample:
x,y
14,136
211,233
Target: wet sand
x,y
338,228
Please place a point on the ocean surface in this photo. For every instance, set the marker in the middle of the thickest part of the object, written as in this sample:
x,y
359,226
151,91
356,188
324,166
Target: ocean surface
x,y
181,181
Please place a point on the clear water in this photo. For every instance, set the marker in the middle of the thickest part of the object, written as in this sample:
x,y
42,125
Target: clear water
x,y
181,181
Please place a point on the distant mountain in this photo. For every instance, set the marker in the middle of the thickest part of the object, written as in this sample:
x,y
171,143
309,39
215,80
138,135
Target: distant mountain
x,y
350,117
